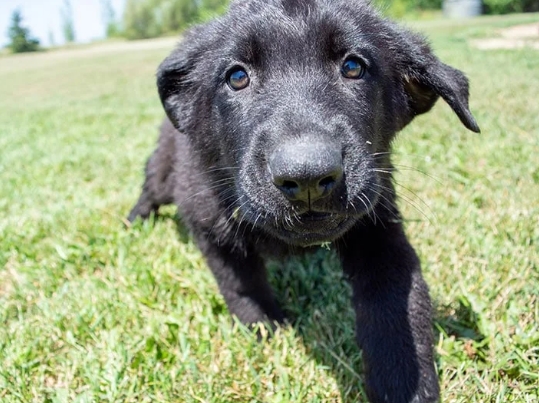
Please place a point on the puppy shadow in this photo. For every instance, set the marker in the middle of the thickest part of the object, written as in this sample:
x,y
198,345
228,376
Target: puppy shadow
x,y
183,232
460,320
317,300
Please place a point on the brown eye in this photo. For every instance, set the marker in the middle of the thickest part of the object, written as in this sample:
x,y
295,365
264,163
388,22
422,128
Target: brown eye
x,y
238,79
353,68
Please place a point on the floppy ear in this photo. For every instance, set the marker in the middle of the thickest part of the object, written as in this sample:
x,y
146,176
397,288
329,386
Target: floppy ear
x,y
425,78
179,75
173,85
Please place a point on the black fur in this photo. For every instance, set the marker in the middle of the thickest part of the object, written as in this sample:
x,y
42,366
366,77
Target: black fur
x,y
329,138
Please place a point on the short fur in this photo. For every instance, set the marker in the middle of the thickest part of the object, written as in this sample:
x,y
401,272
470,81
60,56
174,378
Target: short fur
x,y
216,161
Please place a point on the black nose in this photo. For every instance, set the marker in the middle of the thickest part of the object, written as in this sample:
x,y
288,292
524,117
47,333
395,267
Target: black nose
x,y
306,171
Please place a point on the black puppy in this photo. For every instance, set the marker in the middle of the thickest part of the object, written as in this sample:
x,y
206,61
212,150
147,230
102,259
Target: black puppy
x,y
280,120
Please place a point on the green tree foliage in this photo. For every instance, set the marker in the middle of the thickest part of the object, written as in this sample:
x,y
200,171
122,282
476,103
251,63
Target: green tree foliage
x,y
151,18
510,6
210,8
398,8
112,26
175,14
428,4
68,24
20,40
140,20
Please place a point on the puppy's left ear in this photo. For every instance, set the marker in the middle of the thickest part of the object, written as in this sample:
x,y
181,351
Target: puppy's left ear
x,y
425,78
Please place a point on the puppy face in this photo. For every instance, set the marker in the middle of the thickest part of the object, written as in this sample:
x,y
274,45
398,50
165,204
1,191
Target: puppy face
x,y
297,102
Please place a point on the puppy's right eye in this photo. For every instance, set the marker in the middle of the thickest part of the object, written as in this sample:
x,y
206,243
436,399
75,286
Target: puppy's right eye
x,y
238,79
353,68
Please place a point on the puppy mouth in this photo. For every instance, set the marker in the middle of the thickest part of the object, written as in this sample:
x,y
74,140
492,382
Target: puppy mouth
x,y
314,228
315,216
314,222
300,224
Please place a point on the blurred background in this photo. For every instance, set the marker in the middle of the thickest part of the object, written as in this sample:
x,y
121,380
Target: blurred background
x,y
29,25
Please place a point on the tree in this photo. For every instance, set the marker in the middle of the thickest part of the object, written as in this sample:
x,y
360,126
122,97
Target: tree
x,y
139,20
177,14
68,25
150,18
20,36
112,28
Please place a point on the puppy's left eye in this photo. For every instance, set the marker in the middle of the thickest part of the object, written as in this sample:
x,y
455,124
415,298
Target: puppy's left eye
x,y
238,79
353,68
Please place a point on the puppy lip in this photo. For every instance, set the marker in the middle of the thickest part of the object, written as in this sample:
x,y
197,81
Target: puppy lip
x,y
317,216
316,223
316,232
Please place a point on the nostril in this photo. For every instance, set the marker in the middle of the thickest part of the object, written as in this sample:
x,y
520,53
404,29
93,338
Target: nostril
x,y
289,185
327,182
289,188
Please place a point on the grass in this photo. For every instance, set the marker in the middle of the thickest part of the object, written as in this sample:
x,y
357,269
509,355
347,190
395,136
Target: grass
x,y
94,312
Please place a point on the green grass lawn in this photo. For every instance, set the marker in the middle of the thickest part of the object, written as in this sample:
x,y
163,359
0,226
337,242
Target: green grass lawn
x,y
94,312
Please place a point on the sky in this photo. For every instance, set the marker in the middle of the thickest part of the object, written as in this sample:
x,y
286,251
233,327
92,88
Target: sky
x,y
43,18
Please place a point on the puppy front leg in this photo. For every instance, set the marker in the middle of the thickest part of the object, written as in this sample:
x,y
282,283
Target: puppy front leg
x,y
160,179
242,280
393,314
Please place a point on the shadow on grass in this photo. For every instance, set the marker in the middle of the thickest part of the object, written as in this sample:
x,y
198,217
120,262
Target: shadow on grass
x,y
317,300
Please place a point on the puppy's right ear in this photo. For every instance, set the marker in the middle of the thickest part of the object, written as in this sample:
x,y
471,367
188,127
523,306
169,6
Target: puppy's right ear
x,y
174,84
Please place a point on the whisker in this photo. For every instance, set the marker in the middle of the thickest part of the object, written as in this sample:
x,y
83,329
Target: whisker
x,y
384,170
400,167
224,213
407,200
240,221
360,197
396,154
409,168
213,170
256,219
380,154
390,189
353,206
215,185
376,218
424,203
381,195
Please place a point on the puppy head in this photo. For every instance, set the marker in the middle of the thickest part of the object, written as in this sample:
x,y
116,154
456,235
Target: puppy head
x,y
300,100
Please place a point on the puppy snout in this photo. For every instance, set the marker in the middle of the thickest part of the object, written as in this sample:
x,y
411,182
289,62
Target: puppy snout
x,y
306,171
